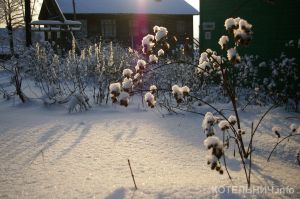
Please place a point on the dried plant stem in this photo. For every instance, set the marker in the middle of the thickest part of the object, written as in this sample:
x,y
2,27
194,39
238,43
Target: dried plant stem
x,y
291,135
224,159
132,174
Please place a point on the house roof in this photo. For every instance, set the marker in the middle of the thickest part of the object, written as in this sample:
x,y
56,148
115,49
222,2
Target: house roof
x,y
175,7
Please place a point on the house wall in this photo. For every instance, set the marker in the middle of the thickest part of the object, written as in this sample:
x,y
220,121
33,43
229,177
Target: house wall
x,y
273,24
125,31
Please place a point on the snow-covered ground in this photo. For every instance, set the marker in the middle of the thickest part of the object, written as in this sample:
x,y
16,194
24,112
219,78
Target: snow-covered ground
x,y
48,153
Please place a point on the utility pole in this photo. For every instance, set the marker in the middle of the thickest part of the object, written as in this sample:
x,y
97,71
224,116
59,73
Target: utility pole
x,y
74,10
199,21
27,23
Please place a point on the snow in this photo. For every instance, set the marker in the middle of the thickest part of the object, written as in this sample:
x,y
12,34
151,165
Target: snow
x,y
160,32
229,23
127,72
161,52
293,127
128,7
147,43
52,154
124,99
232,54
141,64
223,125
277,130
55,22
243,24
45,152
185,89
150,99
212,141
153,89
223,41
127,83
115,88
232,119
153,59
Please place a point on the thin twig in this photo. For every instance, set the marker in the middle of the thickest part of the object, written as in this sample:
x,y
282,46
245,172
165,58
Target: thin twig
x,y
279,143
224,159
132,175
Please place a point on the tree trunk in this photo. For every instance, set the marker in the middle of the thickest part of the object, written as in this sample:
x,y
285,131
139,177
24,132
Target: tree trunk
x,y
27,22
11,39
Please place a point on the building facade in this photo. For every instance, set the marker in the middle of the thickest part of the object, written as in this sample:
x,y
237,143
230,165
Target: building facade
x,y
125,21
275,23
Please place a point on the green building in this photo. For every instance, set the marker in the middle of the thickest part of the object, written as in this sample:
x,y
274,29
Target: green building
x,y
275,23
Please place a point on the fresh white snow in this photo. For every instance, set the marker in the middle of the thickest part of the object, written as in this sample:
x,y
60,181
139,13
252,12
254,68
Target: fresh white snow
x,y
48,153
128,7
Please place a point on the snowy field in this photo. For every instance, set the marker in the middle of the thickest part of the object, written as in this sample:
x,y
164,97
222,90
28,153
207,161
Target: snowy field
x,y
48,153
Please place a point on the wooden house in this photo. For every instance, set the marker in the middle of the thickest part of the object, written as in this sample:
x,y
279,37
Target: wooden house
x,y
274,25
125,21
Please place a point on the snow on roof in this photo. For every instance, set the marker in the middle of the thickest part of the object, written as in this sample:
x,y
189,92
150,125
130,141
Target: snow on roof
x,y
179,7
54,22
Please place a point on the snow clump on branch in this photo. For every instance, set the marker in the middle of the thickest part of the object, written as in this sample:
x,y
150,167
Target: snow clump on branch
x,y
124,99
215,152
148,43
233,56
150,99
161,52
160,32
114,89
208,123
153,58
127,73
223,41
223,125
180,92
140,66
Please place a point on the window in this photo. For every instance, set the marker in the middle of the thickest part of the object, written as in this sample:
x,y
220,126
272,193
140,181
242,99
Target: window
x,y
180,27
207,35
208,25
58,34
49,35
108,28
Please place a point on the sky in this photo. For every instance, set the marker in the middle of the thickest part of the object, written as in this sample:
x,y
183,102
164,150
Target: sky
x,y
194,3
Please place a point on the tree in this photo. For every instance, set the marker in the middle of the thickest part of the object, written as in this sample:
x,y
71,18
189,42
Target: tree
x,y
13,16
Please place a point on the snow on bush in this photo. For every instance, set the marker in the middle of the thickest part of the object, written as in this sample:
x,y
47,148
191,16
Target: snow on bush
x,y
233,56
148,43
150,99
161,52
230,24
153,59
232,119
115,89
224,125
124,98
180,92
160,32
215,152
78,102
223,41
127,84
207,124
140,66
153,89
127,73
